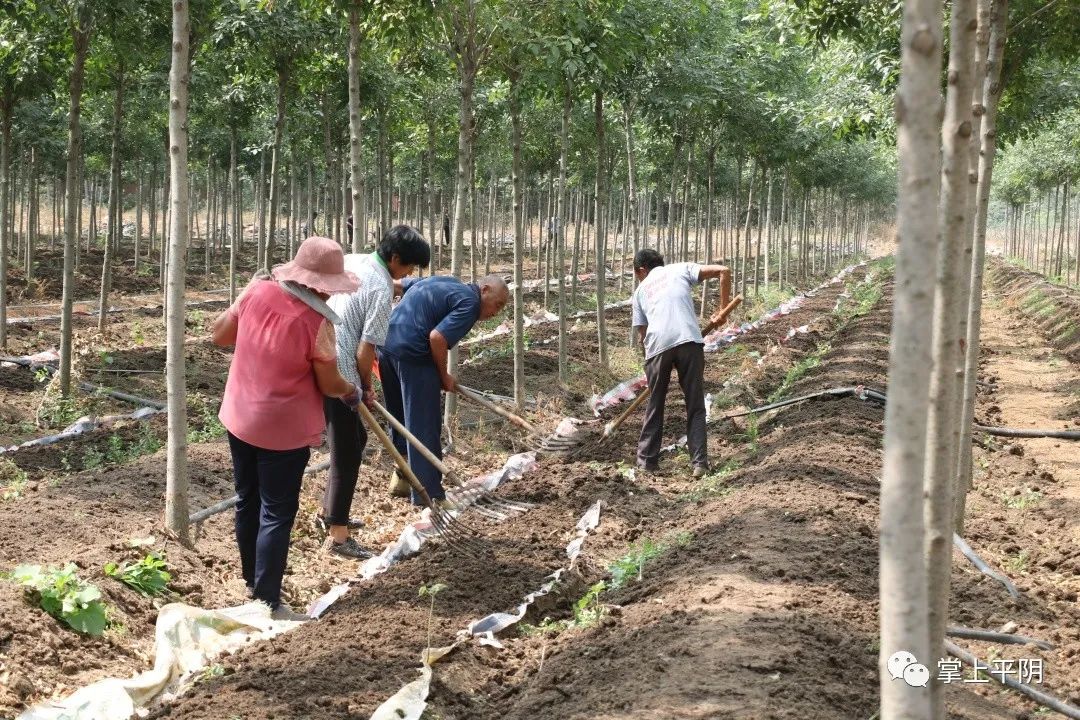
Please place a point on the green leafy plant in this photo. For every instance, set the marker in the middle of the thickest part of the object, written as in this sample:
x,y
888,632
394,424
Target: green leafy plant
x,y
430,591
93,458
798,370
1022,501
137,335
1019,562
632,565
149,576
587,610
714,483
62,594
41,375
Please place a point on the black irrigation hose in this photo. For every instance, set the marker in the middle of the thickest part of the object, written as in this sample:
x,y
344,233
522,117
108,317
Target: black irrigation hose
x,y
996,637
865,394
1069,711
857,391
1032,433
90,387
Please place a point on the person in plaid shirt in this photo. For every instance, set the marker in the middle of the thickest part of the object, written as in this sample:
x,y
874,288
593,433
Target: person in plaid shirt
x,y
365,321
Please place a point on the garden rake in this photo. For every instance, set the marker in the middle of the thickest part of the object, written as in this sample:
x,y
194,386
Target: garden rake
x,y
456,533
480,497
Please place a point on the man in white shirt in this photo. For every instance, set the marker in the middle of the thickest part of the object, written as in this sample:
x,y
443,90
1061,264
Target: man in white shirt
x,y
365,321
669,333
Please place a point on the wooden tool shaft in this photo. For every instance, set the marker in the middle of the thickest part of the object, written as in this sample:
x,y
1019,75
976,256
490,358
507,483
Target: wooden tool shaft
x,y
483,402
414,441
401,462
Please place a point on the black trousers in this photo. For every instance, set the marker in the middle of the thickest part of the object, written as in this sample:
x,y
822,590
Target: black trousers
x,y
347,436
268,485
688,360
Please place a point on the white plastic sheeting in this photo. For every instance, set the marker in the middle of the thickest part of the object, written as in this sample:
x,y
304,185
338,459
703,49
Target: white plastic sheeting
x,y
186,639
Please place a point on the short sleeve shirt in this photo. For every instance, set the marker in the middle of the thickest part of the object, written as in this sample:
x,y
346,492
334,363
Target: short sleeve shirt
x,y
272,400
365,313
440,303
663,303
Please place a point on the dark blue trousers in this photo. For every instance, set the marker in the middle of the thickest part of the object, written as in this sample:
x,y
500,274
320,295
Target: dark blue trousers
x,y
268,485
413,393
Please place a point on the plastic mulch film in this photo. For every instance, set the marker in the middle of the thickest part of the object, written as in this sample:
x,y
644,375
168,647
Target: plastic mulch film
x,y
186,638
411,700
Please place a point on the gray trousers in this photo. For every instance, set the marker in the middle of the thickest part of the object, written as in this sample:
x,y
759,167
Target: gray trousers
x,y
688,360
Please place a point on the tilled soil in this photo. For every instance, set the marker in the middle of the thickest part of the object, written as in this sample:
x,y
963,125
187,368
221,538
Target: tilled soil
x,y
370,642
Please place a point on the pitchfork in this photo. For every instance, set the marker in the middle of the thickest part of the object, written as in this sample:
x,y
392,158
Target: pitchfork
x,y
449,528
479,494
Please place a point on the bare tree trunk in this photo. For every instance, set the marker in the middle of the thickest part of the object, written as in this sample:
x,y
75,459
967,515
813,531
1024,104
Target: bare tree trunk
x,y
275,168
176,479
710,171
745,244
80,35
991,96
601,231
903,575
631,179
237,215
115,205
951,302
467,66
7,108
519,243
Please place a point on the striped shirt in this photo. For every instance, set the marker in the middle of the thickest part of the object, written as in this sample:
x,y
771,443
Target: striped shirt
x,y
365,314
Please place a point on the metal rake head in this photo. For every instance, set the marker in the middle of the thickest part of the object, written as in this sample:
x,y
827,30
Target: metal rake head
x,y
456,533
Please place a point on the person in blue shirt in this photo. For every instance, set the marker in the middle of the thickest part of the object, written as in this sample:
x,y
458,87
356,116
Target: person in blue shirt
x,y
433,315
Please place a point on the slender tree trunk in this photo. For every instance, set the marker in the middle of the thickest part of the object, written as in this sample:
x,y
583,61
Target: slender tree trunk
x,y
631,179
710,171
237,215
560,229
467,67
601,231
115,205
519,243
7,108
80,35
951,302
275,167
991,96
745,244
176,479
903,575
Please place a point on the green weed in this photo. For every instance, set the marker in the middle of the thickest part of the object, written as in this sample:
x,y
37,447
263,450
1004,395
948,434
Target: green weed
x,y
13,478
624,570
714,484
430,591
1023,501
148,576
206,427
1019,563
798,370
66,597
587,610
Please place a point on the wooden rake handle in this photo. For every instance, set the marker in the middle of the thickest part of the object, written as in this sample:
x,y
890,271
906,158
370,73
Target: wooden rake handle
x,y
414,441
721,315
473,396
612,426
402,463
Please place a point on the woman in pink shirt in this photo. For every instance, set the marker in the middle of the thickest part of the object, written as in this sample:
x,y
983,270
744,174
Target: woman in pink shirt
x,y
285,362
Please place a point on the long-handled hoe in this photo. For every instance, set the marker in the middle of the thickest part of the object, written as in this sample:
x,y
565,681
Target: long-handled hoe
x,y
449,528
478,495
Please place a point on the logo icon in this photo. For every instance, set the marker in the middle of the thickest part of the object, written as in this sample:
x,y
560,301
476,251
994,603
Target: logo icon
x,y
902,664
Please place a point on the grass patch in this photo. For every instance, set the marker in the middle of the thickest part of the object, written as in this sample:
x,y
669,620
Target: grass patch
x,y
767,299
206,426
715,483
798,370
625,569
13,480
1022,501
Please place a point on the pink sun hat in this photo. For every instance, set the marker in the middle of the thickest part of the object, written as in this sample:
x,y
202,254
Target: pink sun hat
x,y
320,265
